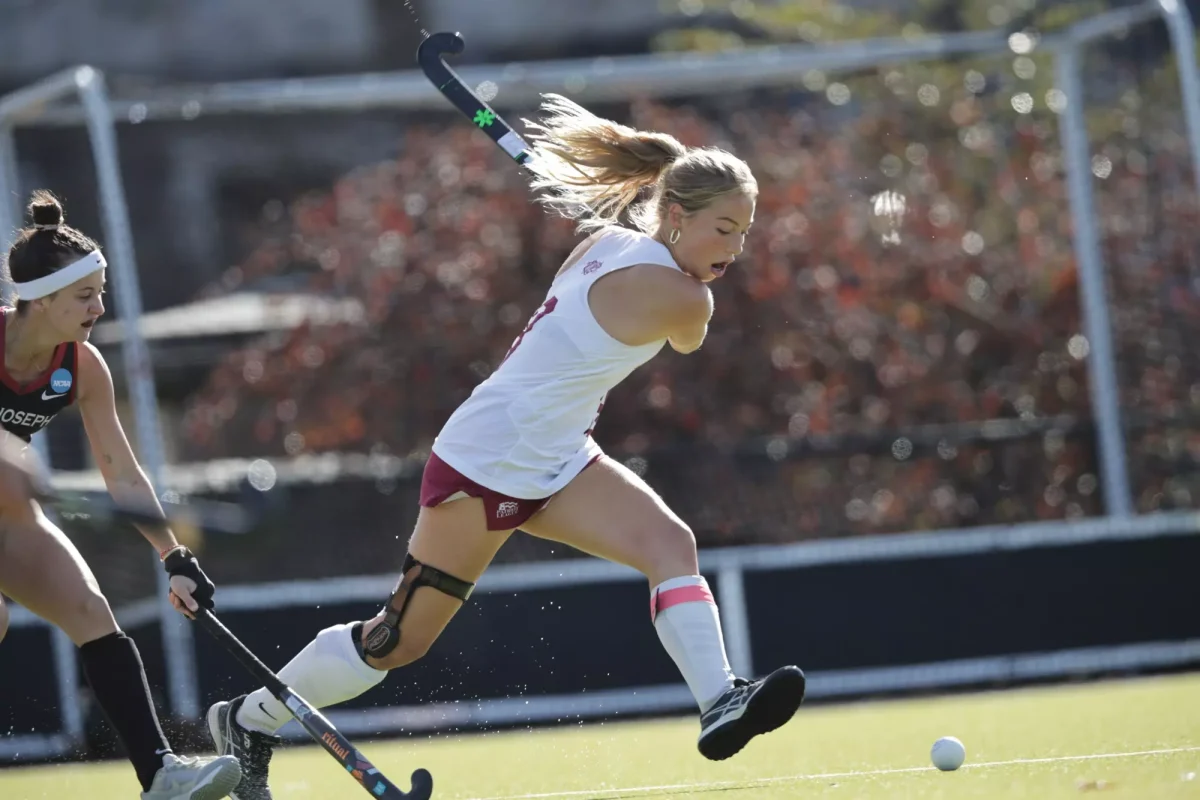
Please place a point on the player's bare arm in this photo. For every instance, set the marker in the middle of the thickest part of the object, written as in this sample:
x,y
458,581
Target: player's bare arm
x,y
693,314
649,303
123,476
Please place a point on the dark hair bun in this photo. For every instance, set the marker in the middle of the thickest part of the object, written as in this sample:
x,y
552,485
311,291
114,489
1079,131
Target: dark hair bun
x,y
45,209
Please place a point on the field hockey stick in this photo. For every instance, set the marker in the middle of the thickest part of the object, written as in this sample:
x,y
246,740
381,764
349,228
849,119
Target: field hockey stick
x,y
317,725
205,515
430,55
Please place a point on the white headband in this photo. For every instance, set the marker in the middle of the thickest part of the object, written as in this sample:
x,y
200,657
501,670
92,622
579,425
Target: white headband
x,y
32,290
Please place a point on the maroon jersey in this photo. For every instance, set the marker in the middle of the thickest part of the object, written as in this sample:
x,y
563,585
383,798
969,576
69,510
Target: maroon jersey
x,y
25,410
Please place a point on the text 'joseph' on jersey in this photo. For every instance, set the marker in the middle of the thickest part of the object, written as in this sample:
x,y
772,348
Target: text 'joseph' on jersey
x,y
25,410
526,430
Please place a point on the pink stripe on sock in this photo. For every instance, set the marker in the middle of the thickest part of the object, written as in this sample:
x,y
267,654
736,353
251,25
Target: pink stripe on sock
x,y
661,601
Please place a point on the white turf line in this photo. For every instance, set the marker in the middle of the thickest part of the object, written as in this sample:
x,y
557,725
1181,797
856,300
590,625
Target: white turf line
x,y
753,783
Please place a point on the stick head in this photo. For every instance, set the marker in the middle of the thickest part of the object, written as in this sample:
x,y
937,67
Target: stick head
x,y
438,46
422,785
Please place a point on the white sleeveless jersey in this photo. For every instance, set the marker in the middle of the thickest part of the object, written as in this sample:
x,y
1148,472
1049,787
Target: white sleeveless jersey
x,y
526,430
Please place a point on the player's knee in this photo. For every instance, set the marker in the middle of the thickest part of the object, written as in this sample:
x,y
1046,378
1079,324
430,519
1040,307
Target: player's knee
x,y
410,650
413,645
94,609
670,548
393,639
89,617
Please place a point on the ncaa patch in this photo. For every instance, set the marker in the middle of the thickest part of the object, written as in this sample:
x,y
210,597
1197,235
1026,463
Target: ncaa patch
x,y
61,380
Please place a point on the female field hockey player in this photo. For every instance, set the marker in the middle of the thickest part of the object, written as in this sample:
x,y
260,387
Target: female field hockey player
x,y
48,364
518,453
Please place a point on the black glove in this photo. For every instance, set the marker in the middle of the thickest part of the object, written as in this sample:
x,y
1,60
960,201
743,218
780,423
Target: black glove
x,y
181,561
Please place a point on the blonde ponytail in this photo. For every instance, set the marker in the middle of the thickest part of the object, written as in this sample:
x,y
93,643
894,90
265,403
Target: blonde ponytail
x,y
591,169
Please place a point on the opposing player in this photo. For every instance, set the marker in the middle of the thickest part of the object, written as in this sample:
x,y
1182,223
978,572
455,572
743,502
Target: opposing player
x,y
518,453
58,274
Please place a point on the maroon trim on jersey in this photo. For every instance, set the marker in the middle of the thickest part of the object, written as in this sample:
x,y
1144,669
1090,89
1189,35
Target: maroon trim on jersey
x,y
42,380
71,395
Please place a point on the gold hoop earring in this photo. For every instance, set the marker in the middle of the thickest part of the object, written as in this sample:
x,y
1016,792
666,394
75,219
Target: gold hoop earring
x,y
674,236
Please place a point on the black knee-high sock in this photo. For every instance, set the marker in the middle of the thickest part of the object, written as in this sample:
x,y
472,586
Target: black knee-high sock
x,y
114,669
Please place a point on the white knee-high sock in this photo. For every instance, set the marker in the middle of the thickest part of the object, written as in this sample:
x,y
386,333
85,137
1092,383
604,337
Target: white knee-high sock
x,y
326,672
685,616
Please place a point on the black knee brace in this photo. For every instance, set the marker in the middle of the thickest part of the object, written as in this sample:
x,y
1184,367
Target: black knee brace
x,y
386,635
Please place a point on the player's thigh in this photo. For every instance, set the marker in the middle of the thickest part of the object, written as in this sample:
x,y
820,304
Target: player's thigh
x,y
610,512
42,570
454,539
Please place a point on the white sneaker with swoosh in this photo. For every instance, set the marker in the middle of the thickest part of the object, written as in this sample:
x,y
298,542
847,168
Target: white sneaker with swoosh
x,y
191,778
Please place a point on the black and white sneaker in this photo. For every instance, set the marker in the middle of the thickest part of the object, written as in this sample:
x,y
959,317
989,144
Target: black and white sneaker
x,y
251,748
747,709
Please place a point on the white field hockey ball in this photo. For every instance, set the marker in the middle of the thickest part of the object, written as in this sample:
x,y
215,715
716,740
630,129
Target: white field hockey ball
x,y
948,754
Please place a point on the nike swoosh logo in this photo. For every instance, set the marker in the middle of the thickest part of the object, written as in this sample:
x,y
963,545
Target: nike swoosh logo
x,y
264,710
52,396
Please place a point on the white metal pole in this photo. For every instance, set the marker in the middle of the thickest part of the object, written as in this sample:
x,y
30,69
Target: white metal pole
x,y
178,645
65,670
735,619
589,79
1179,26
1102,373
10,204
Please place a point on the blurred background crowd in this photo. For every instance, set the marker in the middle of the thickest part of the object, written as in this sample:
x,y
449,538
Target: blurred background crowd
x,y
899,348
897,284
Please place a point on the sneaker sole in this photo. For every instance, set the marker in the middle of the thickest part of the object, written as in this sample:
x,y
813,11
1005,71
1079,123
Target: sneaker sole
x,y
774,704
213,718
218,785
